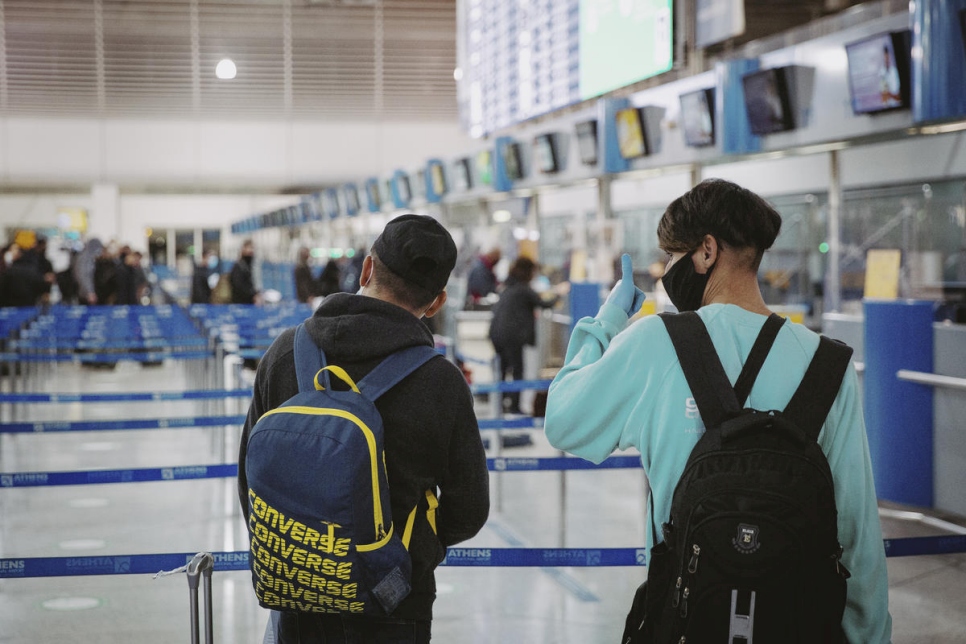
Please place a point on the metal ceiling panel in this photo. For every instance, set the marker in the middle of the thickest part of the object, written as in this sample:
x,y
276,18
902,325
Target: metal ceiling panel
x,y
295,59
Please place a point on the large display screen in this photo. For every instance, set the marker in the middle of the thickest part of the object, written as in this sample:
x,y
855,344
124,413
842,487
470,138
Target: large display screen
x,y
518,60
622,43
879,73
767,102
697,115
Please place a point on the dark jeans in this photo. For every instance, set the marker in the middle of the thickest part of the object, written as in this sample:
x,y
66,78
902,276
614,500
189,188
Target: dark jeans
x,y
511,364
306,628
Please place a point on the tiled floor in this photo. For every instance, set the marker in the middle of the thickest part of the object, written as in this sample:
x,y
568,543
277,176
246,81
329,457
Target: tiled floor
x,y
475,605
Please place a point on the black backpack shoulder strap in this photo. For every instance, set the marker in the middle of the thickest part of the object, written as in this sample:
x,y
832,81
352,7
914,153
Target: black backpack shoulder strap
x,y
756,358
309,360
393,369
707,379
820,385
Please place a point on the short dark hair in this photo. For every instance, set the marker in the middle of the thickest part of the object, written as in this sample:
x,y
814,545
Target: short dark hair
x,y
522,269
404,291
733,215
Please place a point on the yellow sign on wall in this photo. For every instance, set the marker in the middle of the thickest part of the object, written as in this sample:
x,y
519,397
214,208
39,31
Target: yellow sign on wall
x,y
882,274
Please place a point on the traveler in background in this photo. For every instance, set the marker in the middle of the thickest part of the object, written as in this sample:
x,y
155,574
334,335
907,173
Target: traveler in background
x,y
142,287
243,289
106,279
433,447
201,279
305,286
329,281
84,270
21,283
622,386
514,325
36,258
481,280
352,270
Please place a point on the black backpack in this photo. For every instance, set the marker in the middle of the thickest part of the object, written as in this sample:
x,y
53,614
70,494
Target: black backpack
x,y
750,552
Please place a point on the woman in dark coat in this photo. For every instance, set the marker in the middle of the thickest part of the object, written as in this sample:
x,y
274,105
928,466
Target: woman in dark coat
x,y
514,326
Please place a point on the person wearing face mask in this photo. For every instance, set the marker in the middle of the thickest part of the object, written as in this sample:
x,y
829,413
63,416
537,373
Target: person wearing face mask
x,y
622,385
243,289
204,278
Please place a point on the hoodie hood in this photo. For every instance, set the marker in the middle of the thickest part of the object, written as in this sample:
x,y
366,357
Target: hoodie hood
x,y
357,328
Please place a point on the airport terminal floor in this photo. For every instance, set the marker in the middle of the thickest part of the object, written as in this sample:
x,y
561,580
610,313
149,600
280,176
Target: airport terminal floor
x,y
561,605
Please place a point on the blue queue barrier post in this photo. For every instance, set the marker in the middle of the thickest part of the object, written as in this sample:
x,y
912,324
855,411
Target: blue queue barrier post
x,y
899,414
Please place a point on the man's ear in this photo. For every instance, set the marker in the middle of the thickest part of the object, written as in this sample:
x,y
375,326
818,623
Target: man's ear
x,y
436,305
706,255
366,273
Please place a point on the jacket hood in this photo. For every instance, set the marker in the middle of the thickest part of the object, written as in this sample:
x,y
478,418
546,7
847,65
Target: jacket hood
x,y
357,327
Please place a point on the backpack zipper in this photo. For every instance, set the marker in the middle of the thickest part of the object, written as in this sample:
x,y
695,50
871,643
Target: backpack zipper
x,y
380,528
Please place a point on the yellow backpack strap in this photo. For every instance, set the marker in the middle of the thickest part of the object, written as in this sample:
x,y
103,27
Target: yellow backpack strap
x,y
338,372
431,511
432,504
408,532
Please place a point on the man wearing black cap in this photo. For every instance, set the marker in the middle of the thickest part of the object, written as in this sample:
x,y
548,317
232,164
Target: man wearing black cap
x,y
434,453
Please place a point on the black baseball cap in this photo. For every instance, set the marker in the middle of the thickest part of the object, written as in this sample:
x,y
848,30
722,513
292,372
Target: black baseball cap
x,y
418,249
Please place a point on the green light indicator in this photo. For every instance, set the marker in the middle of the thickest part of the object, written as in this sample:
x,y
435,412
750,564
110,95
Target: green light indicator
x,y
823,247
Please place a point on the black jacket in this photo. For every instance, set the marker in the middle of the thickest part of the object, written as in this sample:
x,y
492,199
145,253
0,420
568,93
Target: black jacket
x,y
432,439
513,323
242,283
200,290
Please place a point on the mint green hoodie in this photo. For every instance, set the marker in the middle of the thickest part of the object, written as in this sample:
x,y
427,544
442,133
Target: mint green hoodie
x,y
623,388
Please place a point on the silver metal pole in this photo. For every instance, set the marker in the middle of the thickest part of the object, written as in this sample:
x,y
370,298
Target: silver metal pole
x,y
833,279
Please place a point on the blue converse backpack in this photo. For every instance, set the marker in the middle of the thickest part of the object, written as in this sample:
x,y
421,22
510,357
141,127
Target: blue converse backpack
x,y
320,522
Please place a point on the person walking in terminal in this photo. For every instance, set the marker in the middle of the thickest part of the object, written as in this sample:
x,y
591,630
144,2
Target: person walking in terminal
x,y
434,452
622,386
305,287
243,289
481,280
513,325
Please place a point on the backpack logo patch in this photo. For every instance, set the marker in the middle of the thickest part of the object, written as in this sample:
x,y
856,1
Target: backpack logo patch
x,y
746,541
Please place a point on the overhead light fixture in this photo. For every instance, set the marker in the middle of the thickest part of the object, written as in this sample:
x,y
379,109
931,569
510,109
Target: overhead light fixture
x,y
226,70
458,74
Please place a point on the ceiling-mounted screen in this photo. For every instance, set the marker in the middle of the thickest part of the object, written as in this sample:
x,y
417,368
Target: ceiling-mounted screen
x,y
697,117
438,179
373,196
513,161
462,175
767,101
484,167
351,193
587,141
545,154
879,72
631,140
622,43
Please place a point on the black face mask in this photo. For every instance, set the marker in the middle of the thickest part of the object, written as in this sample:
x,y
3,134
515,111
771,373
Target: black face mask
x,y
684,285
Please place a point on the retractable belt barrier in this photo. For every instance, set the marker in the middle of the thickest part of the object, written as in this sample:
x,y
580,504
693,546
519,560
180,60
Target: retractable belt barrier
x,y
45,427
229,470
145,396
32,567
116,425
